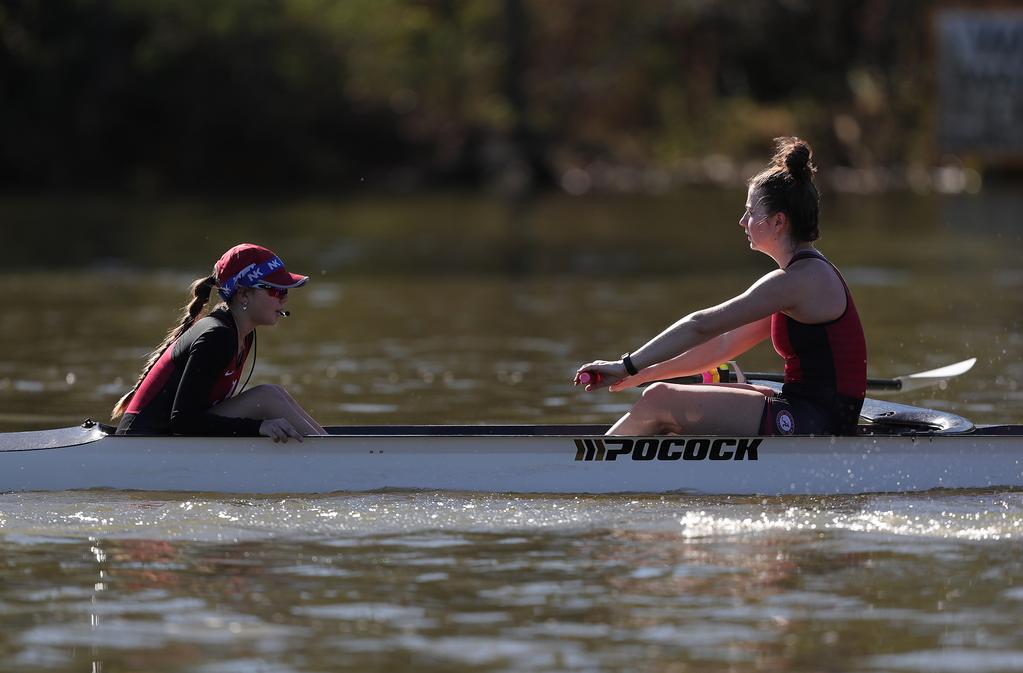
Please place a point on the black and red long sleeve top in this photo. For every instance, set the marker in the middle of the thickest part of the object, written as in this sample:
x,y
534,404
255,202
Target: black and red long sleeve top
x,y
198,371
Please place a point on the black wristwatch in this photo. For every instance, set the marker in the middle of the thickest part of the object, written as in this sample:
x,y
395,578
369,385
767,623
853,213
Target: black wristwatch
x,y
629,367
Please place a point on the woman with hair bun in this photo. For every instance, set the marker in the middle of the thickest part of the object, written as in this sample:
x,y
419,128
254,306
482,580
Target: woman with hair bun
x,y
187,384
804,307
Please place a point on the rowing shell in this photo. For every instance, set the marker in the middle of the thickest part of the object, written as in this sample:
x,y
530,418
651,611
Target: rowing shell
x,y
904,449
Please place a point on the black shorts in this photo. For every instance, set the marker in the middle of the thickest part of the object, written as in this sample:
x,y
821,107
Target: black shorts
x,y
789,415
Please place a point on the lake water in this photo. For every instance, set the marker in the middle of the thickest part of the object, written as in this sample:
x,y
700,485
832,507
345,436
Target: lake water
x,y
455,309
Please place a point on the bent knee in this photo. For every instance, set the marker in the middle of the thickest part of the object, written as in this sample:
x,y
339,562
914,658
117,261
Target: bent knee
x,y
264,390
266,396
659,394
270,391
656,400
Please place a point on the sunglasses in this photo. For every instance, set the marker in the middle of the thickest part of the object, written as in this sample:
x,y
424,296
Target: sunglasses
x,y
278,292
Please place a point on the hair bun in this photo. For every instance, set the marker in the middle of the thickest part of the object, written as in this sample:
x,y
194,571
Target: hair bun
x,y
796,156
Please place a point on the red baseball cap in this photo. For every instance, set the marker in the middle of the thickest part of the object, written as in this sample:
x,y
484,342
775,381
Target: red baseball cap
x,y
247,264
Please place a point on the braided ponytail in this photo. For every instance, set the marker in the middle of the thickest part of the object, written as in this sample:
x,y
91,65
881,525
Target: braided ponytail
x,y
200,291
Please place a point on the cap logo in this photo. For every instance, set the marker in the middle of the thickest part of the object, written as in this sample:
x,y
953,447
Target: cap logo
x,y
249,276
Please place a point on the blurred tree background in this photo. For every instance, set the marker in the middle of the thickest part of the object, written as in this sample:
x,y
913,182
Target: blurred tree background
x,y
258,96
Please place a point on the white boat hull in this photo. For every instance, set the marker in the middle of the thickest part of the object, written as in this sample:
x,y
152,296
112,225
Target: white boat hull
x,y
524,462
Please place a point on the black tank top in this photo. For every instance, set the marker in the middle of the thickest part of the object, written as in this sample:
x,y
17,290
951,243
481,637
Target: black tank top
x,y
825,362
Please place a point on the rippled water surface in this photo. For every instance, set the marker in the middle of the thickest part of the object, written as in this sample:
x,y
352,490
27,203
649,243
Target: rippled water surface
x,y
440,581
457,310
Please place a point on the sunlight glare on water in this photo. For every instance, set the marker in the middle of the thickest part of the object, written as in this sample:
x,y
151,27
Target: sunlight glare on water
x,y
202,518
974,517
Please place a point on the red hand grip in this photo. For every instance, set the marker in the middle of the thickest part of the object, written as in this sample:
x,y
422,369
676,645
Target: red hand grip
x,y
588,378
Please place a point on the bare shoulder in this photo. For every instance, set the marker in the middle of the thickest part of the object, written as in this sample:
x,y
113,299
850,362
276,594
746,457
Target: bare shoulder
x,y
772,292
781,281
819,289
814,270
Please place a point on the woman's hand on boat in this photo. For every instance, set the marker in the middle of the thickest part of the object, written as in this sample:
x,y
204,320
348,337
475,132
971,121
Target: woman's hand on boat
x,y
279,430
601,373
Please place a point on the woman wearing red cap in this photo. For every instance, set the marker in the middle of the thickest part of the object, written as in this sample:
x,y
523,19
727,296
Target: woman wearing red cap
x,y
187,384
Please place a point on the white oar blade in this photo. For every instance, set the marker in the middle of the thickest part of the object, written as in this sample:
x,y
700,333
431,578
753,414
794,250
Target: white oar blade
x,y
933,377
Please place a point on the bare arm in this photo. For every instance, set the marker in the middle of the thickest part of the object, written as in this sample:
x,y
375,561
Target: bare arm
x,y
776,291
773,292
703,357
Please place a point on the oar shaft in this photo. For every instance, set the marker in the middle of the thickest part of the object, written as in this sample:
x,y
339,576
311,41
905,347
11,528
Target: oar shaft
x,y
872,384
930,377
884,384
